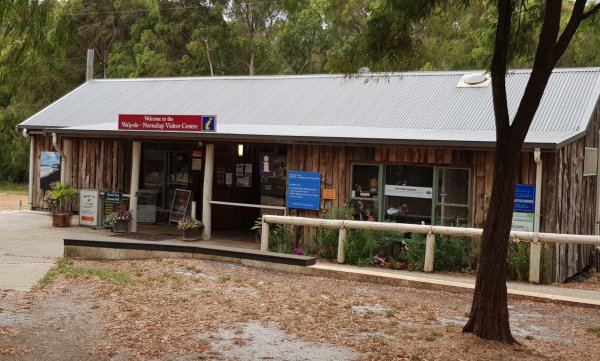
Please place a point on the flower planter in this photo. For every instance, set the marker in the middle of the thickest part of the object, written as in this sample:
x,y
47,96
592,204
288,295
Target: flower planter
x,y
192,234
61,219
121,226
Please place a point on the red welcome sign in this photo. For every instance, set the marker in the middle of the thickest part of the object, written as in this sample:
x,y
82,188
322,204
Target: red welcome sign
x,y
165,123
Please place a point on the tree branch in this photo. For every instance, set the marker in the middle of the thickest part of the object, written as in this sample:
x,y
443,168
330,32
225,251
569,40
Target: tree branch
x,y
567,34
594,10
499,65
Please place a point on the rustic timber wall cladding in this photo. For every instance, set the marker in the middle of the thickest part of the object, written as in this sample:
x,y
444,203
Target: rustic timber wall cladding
x,y
569,202
564,193
97,164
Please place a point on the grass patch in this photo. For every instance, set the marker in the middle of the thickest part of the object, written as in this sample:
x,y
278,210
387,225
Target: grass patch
x,y
66,268
14,187
595,330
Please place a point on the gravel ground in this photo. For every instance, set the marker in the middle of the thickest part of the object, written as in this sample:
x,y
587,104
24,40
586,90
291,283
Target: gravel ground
x,y
11,201
189,310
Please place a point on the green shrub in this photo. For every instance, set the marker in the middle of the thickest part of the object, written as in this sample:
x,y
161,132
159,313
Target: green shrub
x,y
281,239
326,239
415,252
454,254
518,261
360,247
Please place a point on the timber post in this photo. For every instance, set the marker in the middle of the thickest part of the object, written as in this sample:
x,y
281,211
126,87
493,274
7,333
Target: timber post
x,y
136,155
207,190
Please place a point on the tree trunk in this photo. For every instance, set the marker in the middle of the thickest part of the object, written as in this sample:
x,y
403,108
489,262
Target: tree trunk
x,y
251,68
489,311
212,73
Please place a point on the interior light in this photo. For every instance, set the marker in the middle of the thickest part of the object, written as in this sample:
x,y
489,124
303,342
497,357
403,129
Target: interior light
x,y
240,150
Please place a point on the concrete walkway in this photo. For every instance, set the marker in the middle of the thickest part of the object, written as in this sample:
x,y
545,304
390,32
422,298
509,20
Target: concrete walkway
x,y
29,247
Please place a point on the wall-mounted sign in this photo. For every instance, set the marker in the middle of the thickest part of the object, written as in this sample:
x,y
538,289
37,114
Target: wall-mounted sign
x,y
179,206
329,193
524,198
88,207
168,123
196,163
265,164
49,169
304,190
522,222
408,191
590,161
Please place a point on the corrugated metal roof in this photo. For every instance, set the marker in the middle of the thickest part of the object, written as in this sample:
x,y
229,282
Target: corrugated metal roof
x,y
396,108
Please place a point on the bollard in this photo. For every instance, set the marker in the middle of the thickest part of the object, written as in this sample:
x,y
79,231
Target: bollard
x,y
429,250
341,255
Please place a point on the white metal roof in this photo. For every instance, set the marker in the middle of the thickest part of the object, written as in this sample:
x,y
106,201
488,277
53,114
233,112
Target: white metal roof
x,y
406,108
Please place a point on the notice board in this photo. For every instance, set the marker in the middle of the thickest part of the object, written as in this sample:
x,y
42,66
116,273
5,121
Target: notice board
x,y
179,206
304,190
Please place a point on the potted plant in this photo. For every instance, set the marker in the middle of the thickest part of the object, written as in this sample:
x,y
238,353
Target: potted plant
x,y
59,200
191,228
119,220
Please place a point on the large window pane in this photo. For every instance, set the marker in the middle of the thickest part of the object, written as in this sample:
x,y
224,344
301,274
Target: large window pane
x,y
408,194
453,197
364,197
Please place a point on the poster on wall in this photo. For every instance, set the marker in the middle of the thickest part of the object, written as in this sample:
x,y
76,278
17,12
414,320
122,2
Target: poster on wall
x,y
179,207
304,190
522,221
49,169
88,207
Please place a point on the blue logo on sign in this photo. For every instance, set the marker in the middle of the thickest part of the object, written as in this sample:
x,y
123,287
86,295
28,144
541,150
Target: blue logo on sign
x,y
524,198
209,123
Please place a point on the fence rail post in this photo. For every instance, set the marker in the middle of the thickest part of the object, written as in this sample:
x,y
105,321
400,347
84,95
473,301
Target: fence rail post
x,y
429,251
341,253
535,254
264,236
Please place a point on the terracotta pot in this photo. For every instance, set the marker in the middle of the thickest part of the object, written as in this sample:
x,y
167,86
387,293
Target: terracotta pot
x,y
192,234
61,219
121,226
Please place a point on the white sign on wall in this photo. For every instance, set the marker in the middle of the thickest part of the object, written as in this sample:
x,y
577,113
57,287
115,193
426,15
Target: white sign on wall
x,y
88,207
408,191
522,221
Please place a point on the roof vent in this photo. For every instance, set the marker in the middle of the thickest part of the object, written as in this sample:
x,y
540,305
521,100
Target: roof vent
x,y
473,80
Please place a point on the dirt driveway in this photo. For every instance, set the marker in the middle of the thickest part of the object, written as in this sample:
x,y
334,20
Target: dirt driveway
x,y
12,201
177,309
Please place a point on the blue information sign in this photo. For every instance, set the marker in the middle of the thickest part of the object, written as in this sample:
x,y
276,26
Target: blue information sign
x,y
209,123
304,190
524,198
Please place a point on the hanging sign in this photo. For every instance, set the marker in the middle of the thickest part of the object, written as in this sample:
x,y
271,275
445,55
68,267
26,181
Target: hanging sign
x,y
88,207
304,190
408,191
168,123
524,198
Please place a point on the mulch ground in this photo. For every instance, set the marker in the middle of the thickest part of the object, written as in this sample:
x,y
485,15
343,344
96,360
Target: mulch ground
x,y
189,309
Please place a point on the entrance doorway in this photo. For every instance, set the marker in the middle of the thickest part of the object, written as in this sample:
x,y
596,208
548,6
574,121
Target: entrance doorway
x,y
241,181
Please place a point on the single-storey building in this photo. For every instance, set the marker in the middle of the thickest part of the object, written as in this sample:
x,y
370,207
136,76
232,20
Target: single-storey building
x,y
407,147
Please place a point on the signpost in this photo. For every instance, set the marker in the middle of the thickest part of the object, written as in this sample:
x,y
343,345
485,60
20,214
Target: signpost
x,y
523,208
304,190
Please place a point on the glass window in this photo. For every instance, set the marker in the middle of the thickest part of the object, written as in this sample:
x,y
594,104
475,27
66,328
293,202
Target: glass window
x,y
453,196
364,197
408,194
